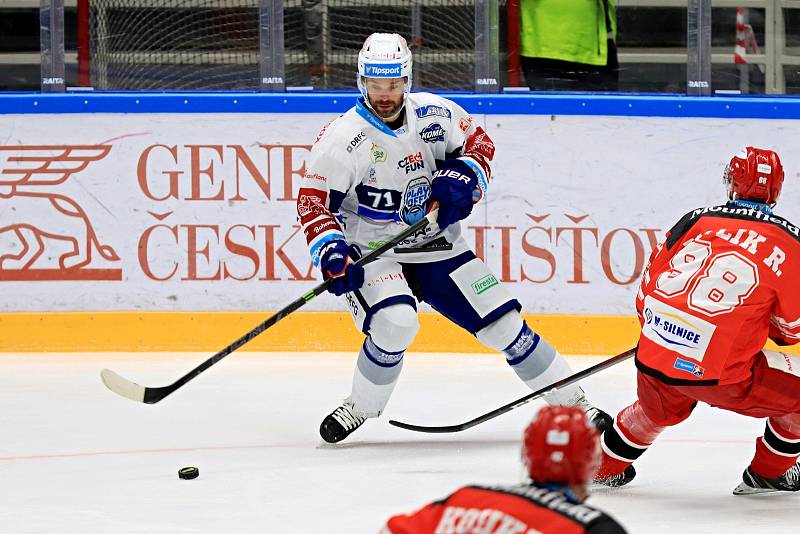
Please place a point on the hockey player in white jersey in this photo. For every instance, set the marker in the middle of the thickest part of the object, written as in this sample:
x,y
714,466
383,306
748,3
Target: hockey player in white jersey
x,y
376,170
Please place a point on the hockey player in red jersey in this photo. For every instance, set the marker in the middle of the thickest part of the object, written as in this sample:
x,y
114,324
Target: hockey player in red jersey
x,y
561,452
724,281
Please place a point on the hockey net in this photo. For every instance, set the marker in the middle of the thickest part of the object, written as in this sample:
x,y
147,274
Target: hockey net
x,y
174,44
322,41
214,44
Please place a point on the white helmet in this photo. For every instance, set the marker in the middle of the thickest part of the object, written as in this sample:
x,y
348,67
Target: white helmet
x,y
384,55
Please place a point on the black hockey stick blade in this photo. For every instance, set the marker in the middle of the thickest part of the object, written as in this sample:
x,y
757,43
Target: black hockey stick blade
x,y
151,395
519,402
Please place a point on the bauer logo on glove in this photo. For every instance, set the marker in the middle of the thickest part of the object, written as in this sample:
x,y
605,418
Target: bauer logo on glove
x,y
454,174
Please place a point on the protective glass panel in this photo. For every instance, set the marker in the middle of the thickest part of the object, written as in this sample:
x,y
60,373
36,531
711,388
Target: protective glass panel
x,y
740,60
174,44
790,59
652,47
215,44
322,40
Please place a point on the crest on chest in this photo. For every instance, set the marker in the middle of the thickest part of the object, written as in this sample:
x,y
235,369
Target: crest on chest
x,y
415,200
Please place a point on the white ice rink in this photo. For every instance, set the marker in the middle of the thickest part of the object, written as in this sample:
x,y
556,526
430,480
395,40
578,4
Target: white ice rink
x,y
75,458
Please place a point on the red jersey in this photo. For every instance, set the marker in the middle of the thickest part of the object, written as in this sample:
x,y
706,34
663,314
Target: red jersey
x,y
726,278
523,509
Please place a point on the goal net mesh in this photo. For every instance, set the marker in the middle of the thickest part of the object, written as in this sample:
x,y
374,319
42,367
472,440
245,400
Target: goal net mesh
x,y
214,44
174,44
323,39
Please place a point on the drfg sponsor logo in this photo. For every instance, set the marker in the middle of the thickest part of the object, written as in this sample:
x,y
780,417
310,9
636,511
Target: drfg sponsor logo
x,y
357,140
676,330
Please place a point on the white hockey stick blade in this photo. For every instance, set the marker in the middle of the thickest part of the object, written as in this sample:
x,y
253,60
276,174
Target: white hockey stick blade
x,y
122,386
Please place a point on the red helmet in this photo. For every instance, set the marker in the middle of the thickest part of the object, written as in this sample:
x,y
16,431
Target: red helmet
x,y
561,446
755,174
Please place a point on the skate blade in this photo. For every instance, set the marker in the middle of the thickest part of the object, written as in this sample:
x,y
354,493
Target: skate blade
x,y
744,489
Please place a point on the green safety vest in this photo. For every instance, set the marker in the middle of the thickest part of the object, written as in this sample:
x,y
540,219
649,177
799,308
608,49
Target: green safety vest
x,y
568,30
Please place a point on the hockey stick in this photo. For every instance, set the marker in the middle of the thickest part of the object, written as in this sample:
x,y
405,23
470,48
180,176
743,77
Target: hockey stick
x,y
519,402
151,395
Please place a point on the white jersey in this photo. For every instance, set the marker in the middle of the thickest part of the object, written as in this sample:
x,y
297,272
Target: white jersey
x,y
365,183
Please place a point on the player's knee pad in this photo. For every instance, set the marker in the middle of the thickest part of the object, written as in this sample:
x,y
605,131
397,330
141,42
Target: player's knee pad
x,y
501,333
393,328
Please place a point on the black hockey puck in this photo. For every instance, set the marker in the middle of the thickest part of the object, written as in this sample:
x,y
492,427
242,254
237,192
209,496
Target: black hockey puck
x,y
188,473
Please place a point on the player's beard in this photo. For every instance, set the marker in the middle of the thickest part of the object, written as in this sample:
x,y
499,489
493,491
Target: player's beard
x,y
387,109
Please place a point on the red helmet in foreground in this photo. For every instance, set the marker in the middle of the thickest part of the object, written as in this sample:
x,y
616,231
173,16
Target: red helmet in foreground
x,y
755,174
561,446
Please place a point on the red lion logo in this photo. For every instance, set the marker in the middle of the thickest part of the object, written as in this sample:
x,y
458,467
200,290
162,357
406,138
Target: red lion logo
x,y
34,219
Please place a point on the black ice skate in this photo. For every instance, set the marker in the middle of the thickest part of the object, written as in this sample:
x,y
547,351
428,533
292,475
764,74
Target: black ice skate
x,y
600,419
341,423
615,481
753,483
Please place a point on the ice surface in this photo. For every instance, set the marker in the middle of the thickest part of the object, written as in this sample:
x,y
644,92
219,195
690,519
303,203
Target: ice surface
x,y
75,458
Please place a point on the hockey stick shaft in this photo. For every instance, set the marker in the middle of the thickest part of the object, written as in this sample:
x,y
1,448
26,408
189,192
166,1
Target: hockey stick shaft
x,y
520,402
152,395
